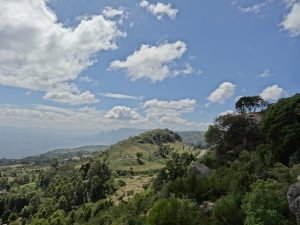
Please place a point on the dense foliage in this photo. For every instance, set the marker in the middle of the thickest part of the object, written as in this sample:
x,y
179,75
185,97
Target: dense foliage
x,y
281,126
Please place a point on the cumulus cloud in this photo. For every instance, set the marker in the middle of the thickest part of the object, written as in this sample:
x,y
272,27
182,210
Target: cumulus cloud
x,y
273,92
121,96
222,93
159,10
70,94
151,62
152,114
169,111
39,53
291,21
122,113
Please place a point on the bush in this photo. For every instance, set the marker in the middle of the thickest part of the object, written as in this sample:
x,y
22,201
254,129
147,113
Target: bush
x,y
173,212
262,205
227,211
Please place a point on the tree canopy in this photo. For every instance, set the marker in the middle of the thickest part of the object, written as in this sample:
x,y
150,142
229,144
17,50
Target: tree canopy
x,y
281,127
248,104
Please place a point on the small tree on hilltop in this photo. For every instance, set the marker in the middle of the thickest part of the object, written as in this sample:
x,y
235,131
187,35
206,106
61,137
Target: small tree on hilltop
x,y
248,104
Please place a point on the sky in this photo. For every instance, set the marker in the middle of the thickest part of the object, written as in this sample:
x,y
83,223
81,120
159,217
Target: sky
x,y
102,65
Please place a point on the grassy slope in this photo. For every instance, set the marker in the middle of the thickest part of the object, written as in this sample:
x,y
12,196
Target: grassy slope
x,y
122,156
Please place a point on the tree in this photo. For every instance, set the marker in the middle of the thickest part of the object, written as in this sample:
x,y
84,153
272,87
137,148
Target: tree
x,y
164,150
172,212
227,211
58,218
63,203
6,215
281,127
25,212
231,133
97,190
178,164
139,155
263,205
248,104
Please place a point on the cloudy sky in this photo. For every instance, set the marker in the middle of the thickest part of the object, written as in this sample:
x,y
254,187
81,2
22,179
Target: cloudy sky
x,y
100,65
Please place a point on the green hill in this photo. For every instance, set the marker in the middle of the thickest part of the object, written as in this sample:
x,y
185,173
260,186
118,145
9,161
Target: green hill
x,y
64,154
136,160
145,152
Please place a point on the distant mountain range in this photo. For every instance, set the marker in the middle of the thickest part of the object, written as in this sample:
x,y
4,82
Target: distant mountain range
x,y
22,142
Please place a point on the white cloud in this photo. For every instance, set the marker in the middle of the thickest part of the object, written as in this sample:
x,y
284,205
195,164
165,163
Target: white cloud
x,y
121,96
226,112
265,73
154,114
186,70
51,117
86,118
273,92
111,12
291,21
169,111
122,113
222,93
151,62
160,10
39,53
70,94
252,9
86,79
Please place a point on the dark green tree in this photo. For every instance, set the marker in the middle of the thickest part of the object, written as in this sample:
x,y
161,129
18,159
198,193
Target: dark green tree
x,y
248,104
227,211
281,127
231,133
63,203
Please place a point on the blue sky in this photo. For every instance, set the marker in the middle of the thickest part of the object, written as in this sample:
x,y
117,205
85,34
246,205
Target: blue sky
x,y
101,65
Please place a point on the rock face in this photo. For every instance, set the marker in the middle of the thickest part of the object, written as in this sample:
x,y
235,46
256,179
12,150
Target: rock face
x,y
200,169
293,197
207,207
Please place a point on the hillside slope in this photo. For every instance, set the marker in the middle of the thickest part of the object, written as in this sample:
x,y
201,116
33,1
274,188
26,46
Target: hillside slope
x,y
145,152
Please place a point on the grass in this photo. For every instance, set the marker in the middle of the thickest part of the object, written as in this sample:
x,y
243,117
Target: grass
x,y
122,156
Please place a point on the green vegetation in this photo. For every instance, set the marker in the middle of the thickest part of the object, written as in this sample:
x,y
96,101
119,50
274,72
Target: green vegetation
x,y
155,179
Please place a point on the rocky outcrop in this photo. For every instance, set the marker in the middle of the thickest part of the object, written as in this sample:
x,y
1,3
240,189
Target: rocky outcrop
x,y
293,197
207,207
200,169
